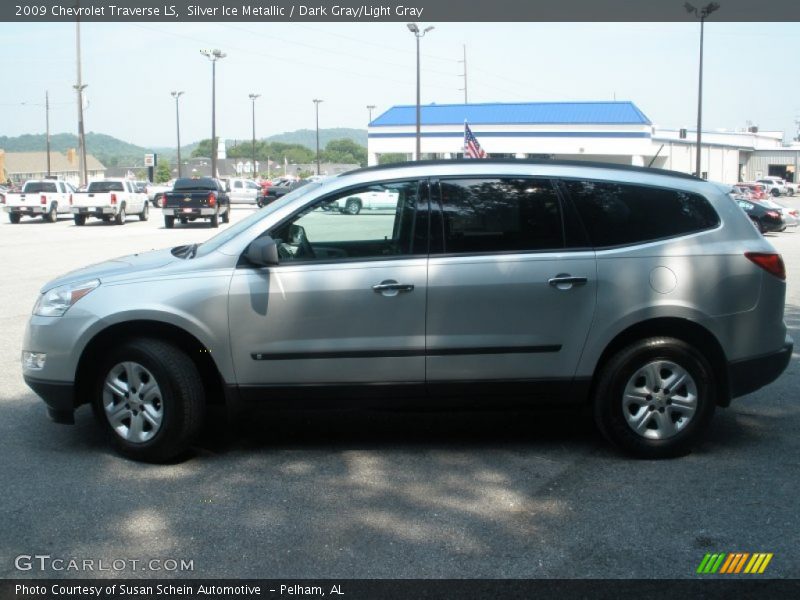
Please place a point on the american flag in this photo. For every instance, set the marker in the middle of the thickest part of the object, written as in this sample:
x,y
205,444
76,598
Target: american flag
x,y
472,149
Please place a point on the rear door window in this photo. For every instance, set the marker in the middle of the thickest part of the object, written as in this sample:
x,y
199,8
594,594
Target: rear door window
x,y
500,215
617,214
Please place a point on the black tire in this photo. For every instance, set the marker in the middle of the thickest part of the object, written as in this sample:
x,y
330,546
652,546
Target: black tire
x,y
352,206
181,398
14,218
621,369
119,219
169,222
183,220
775,192
52,215
80,220
145,214
226,216
214,220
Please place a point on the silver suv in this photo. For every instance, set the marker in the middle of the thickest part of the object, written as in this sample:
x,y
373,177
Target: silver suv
x,y
646,294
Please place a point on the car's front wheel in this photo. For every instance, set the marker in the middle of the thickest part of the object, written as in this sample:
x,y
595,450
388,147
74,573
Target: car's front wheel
x,y
149,396
655,398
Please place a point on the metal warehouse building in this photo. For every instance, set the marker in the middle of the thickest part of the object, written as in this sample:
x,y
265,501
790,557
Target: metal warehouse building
x,y
616,132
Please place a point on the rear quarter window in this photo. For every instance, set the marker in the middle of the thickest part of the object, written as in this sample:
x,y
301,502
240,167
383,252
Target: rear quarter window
x,y
617,214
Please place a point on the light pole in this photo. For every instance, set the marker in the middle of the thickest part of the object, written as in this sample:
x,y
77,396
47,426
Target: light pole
x,y
316,108
213,56
47,127
253,98
702,14
177,95
412,27
79,87
370,108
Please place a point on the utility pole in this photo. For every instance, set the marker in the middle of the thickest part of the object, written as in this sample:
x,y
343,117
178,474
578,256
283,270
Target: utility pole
x,y
464,75
177,95
316,106
253,98
79,87
47,127
370,108
213,56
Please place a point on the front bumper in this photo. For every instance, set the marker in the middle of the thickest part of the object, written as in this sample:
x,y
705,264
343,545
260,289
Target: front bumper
x,y
750,374
59,397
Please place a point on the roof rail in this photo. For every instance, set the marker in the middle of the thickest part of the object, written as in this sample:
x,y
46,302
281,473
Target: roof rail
x,y
524,161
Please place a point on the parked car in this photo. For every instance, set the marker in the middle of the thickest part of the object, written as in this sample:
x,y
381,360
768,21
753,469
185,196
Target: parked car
x,y
39,197
196,198
493,283
277,190
791,188
764,218
155,191
368,200
109,200
775,186
790,216
758,191
243,191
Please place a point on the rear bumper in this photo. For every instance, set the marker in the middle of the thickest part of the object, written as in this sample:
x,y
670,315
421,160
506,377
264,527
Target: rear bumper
x,y
189,212
39,209
97,211
59,397
751,374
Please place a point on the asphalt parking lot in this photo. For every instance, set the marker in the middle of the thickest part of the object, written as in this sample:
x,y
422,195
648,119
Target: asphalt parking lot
x,y
374,494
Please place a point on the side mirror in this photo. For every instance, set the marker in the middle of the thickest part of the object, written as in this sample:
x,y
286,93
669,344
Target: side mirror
x,y
263,252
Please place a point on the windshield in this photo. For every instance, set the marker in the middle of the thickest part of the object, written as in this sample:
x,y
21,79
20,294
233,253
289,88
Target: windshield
x,y
36,187
230,233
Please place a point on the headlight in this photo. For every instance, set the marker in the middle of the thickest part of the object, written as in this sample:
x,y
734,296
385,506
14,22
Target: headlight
x,y
55,302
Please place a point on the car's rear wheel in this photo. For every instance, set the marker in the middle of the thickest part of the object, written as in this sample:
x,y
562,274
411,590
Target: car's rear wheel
x,y
79,219
215,220
226,216
149,396
655,398
120,218
52,214
14,218
169,222
145,214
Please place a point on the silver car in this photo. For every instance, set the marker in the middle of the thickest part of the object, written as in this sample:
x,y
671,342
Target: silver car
x,y
643,293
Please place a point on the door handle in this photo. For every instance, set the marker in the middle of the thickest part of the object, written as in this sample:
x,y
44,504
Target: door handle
x,y
565,281
390,287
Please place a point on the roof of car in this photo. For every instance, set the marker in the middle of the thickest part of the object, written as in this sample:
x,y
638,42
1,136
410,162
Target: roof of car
x,y
505,161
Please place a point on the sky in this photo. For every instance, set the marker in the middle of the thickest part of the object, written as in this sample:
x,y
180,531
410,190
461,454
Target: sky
x,y
751,75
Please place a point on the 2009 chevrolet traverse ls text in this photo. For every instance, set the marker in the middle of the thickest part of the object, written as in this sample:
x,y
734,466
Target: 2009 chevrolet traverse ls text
x,y
646,293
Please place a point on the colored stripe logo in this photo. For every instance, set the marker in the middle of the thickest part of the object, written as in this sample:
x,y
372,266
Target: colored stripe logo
x,y
733,563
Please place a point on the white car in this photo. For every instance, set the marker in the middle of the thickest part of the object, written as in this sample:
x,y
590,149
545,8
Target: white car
x,y
243,191
775,185
370,200
39,197
109,199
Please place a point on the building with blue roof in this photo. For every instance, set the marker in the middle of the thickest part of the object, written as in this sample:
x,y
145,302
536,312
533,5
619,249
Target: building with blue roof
x,y
607,131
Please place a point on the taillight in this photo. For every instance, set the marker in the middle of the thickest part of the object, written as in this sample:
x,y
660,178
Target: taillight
x,y
70,199
773,214
212,200
163,200
770,262
113,198
43,199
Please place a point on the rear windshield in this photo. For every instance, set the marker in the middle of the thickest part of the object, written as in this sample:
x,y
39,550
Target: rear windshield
x,y
195,184
100,187
36,187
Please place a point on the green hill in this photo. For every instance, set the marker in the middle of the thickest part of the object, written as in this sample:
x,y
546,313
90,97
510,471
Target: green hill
x,y
307,137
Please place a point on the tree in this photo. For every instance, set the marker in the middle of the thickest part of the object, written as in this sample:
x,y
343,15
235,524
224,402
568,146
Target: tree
x,y
392,157
203,149
344,151
163,172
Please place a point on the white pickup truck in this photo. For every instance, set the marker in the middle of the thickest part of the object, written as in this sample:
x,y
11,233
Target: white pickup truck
x,y
369,200
242,191
39,197
109,199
